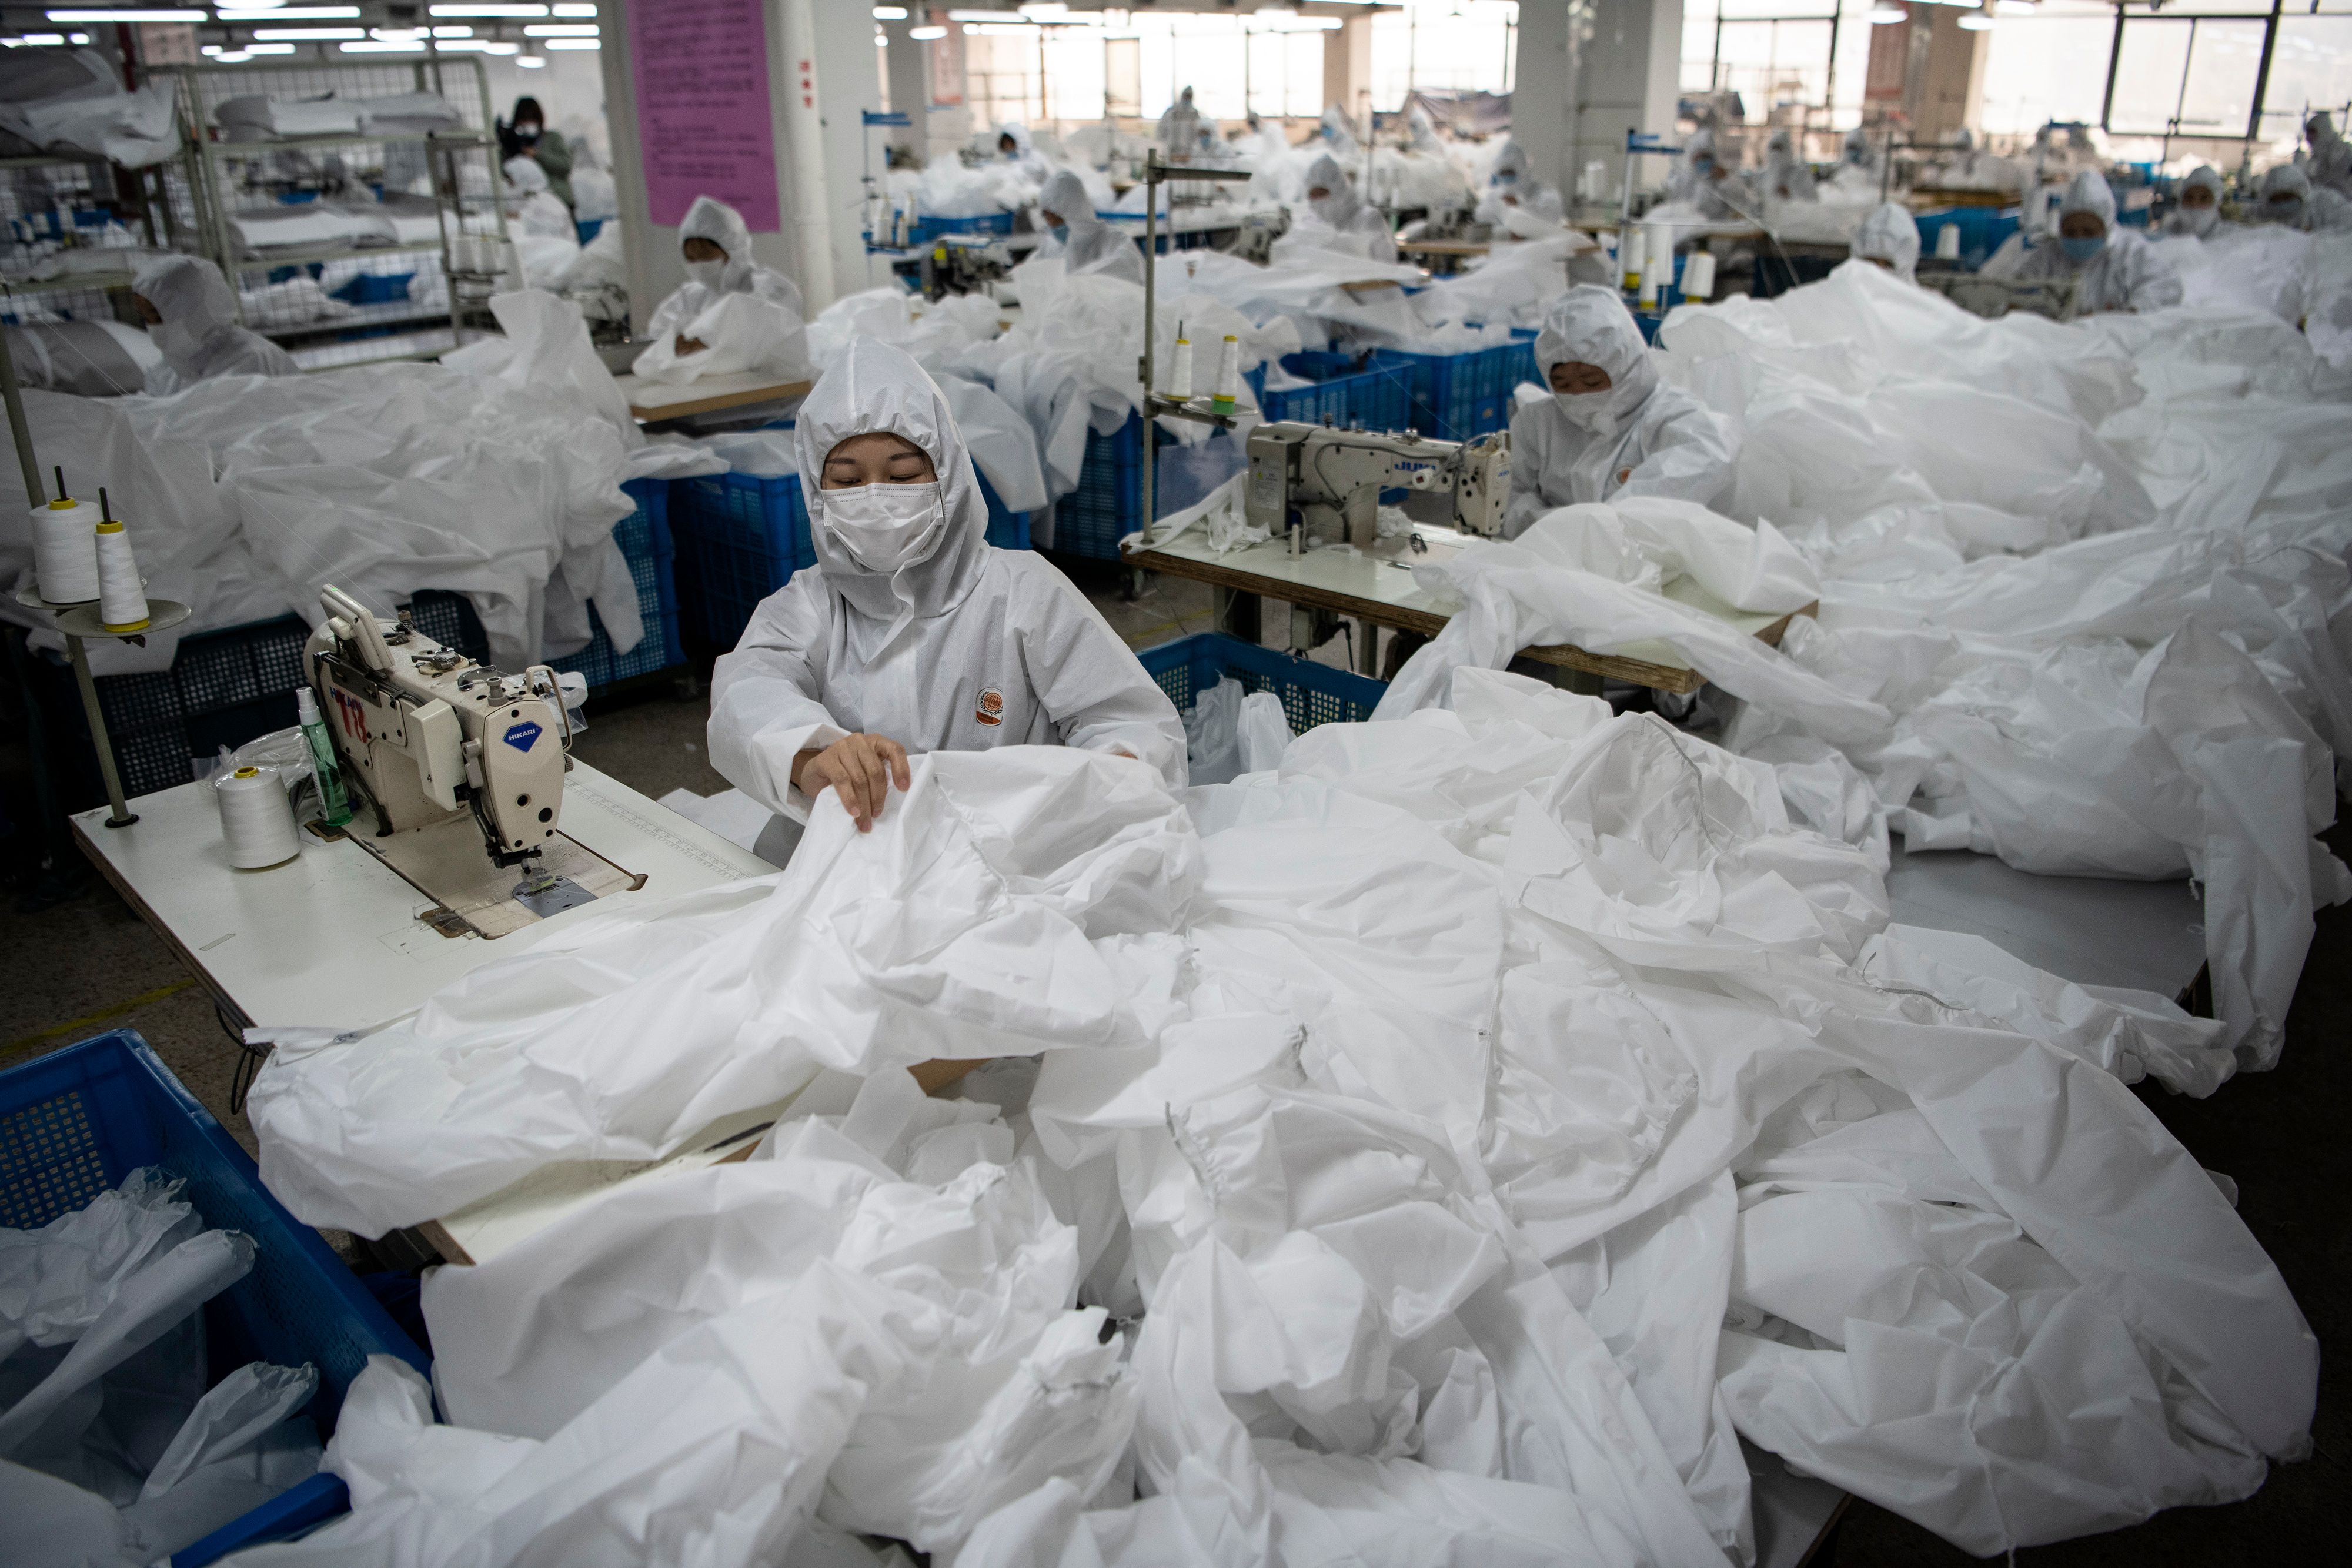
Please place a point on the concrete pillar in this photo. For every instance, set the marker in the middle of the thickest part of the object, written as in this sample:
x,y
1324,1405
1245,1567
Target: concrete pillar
x,y
820,73
1348,67
1543,87
1951,91
910,88
1627,79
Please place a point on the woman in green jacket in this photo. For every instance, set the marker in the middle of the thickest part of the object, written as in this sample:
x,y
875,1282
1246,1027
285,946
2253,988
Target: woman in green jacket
x,y
527,135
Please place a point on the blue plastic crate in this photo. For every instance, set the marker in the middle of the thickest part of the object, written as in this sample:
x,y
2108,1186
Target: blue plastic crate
x,y
224,688
927,229
1312,693
1107,505
588,229
75,1123
1457,396
644,536
1348,389
739,537
1983,230
375,288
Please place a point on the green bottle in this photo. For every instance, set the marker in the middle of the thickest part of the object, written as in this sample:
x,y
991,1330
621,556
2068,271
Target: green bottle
x,y
334,805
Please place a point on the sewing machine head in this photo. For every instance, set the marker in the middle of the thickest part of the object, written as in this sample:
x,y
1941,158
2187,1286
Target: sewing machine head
x,y
1317,477
428,735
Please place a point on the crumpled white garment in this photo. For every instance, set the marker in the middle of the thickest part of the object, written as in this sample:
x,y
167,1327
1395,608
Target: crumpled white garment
x,y
985,915
1492,1058
1538,589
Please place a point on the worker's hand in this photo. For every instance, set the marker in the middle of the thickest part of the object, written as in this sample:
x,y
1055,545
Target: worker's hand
x,y
687,345
860,768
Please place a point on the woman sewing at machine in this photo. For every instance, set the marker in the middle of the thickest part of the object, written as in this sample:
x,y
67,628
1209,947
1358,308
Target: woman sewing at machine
x,y
1610,427
914,635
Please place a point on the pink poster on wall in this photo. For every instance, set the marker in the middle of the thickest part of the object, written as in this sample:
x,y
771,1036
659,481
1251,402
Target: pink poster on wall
x,y
702,108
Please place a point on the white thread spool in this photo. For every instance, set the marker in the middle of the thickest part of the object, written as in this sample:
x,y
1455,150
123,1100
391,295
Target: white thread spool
x,y
122,596
1629,258
1180,378
65,551
1229,375
1948,243
1657,263
257,820
1698,275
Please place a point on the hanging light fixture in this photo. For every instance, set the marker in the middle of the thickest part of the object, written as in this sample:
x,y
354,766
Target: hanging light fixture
x,y
1880,15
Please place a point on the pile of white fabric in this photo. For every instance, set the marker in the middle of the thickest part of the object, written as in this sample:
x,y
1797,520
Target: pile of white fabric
x,y
259,118
2078,585
113,1451
1441,1147
494,474
73,101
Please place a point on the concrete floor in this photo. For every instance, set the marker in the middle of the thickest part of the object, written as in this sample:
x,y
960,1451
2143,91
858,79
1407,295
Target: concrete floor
x,y
86,963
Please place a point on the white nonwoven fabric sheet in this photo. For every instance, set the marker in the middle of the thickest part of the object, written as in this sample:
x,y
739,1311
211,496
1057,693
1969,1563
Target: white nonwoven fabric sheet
x,y
1491,1116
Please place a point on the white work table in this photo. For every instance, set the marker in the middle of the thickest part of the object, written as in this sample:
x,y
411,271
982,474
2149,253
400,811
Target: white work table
x,y
1378,585
335,937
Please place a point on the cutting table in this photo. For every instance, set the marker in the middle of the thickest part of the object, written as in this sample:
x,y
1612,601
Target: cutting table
x,y
1377,586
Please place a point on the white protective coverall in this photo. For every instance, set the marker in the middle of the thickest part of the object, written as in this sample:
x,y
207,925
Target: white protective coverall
x,y
1179,129
1510,179
1638,438
1025,155
1090,244
726,297
1859,153
1787,177
2127,274
1889,234
533,203
2330,168
2197,221
1357,222
2289,198
965,649
199,335
1718,199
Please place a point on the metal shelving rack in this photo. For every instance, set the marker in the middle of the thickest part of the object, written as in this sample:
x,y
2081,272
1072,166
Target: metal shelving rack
x,y
282,175
152,202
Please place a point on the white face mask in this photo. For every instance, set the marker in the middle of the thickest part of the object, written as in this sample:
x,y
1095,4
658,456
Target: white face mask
x,y
1595,412
2202,220
887,527
709,274
176,340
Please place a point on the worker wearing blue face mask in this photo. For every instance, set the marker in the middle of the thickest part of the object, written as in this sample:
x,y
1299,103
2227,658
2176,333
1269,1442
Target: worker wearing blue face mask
x,y
1084,242
1511,184
912,633
1610,428
2112,267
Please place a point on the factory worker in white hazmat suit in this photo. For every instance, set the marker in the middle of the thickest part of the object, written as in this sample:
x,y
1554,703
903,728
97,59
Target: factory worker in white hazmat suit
x,y
1787,177
1707,182
913,633
1083,241
1336,206
730,314
1509,185
532,202
191,316
1889,238
1610,428
2199,212
2114,269
2331,157
2289,198
1013,146
1179,129
1859,153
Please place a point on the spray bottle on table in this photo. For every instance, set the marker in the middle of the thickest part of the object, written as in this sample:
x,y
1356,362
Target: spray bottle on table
x,y
334,804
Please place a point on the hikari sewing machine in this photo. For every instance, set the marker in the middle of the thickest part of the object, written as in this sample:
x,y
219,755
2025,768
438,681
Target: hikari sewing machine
x,y
461,768
1314,477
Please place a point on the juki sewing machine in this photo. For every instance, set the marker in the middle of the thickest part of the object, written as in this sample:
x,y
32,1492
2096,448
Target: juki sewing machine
x,y
1314,476
461,768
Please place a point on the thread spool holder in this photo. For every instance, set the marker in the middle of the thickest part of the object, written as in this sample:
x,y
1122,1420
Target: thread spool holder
x,y
78,623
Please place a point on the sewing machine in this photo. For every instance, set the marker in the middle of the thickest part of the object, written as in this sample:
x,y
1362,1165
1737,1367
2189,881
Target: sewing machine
x,y
1305,477
1255,235
460,768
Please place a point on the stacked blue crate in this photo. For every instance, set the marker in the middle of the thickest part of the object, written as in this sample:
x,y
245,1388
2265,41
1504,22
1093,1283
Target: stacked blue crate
x,y
644,536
